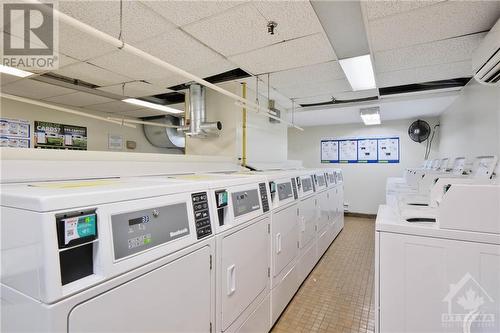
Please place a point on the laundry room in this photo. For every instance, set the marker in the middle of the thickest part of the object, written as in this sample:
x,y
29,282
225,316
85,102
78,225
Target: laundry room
x,y
250,166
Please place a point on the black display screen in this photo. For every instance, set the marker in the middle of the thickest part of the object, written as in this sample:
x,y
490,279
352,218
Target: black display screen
x,y
138,220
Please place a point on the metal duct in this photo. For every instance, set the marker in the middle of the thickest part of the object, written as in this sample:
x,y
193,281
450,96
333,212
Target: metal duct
x,y
198,126
165,137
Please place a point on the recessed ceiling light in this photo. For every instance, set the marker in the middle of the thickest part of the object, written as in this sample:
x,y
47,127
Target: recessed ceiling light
x,y
370,116
359,72
14,71
154,106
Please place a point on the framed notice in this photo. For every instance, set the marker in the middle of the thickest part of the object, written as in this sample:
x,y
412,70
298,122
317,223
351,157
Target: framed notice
x,y
329,151
360,150
60,136
14,133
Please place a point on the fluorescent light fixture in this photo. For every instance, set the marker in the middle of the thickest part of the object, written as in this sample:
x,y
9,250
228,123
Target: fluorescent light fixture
x,y
370,116
14,71
154,106
359,72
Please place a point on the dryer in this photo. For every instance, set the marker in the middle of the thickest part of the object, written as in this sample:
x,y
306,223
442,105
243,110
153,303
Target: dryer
x,y
242,227
108,256
323,206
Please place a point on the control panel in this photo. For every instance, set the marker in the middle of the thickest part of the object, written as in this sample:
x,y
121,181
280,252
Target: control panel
x,y
294,188
221,202
313,181
284,191
321,180
263,196
307,184
137,231
245,202
202,215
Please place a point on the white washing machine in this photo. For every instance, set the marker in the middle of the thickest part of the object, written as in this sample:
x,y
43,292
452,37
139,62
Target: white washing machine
x,y
339,201
335,204
284,238
308,217
107,256
242,226
323,206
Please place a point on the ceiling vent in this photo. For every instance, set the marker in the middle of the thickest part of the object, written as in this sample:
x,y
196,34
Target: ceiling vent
x,y
486,58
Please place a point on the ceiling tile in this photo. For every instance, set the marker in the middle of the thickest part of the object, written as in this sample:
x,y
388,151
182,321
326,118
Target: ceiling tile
x,y
425,74
34,89
185,12
320,72
427,24
378,9
179,49
92,74
315,89
434,53
295,18
295,53
135,89
116,106
78,99
6,79
237,30
79,45
139,21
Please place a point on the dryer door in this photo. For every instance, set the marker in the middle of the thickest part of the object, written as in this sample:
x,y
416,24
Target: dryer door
x,y
244,268
323,210
307,220
172,298
285,237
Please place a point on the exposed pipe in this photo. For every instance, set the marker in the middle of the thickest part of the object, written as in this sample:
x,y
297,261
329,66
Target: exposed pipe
x,y
121,122
120,44
133,121
198,126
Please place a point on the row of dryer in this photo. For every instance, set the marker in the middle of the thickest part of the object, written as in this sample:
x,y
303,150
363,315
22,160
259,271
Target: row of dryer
x,y
171,253
437,252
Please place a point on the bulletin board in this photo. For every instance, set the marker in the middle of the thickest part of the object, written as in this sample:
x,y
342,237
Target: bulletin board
x,y
14,133
60,136
360,150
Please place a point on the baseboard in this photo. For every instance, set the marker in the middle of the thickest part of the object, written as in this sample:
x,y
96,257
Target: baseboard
x,y
360,215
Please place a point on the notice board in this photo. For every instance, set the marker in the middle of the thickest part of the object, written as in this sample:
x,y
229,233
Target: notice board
x,y
60,136
360,150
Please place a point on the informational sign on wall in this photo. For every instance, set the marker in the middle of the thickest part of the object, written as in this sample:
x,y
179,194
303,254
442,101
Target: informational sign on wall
x,y
60,136
14,133
360,150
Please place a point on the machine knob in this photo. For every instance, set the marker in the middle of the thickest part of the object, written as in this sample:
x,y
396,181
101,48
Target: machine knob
x,y
156,212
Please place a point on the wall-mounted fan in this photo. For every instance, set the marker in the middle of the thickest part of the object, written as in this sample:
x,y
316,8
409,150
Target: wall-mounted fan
x,y
419,131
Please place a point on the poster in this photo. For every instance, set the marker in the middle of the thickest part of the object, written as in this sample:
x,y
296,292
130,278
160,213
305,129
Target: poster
x,y
14,133
388,150
348,151
115,142
360,150
60,136
367,151
329,151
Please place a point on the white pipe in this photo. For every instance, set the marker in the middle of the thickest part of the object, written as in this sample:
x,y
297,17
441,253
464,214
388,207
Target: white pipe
x,y
63,109
133,121
250,108
146,56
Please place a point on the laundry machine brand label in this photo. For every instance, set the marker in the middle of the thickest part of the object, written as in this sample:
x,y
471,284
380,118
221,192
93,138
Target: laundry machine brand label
x,y
137,231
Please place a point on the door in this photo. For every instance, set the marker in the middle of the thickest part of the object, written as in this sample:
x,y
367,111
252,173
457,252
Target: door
x,y
244,268
427,283
172,298
285,236
323,208
307,221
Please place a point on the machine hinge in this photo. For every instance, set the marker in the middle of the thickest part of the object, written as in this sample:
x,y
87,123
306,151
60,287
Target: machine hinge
x,y
210,327
210,269
297,212
269,272
269,228
315,228
298,245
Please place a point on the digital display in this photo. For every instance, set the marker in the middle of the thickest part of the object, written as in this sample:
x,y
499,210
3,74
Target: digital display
x,y
138,220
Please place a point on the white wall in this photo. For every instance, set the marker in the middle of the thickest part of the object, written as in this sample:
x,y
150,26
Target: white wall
x,y
364,183
471,125
266,142
97,131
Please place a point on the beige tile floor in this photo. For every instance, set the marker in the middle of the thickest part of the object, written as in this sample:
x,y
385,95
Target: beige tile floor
x,y
338,294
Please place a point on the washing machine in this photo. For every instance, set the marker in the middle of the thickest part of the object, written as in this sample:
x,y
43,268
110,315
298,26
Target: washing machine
x,y
323,205
107,256
335,202
308,216
242,226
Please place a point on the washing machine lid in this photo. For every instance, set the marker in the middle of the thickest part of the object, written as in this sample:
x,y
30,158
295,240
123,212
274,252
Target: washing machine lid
x,y
218,180
51,196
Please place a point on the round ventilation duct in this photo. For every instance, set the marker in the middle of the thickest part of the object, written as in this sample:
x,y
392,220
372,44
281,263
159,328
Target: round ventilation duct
x,y
163,137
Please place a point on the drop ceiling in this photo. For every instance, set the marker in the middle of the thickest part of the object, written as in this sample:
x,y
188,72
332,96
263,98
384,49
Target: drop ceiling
x,y
410,42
